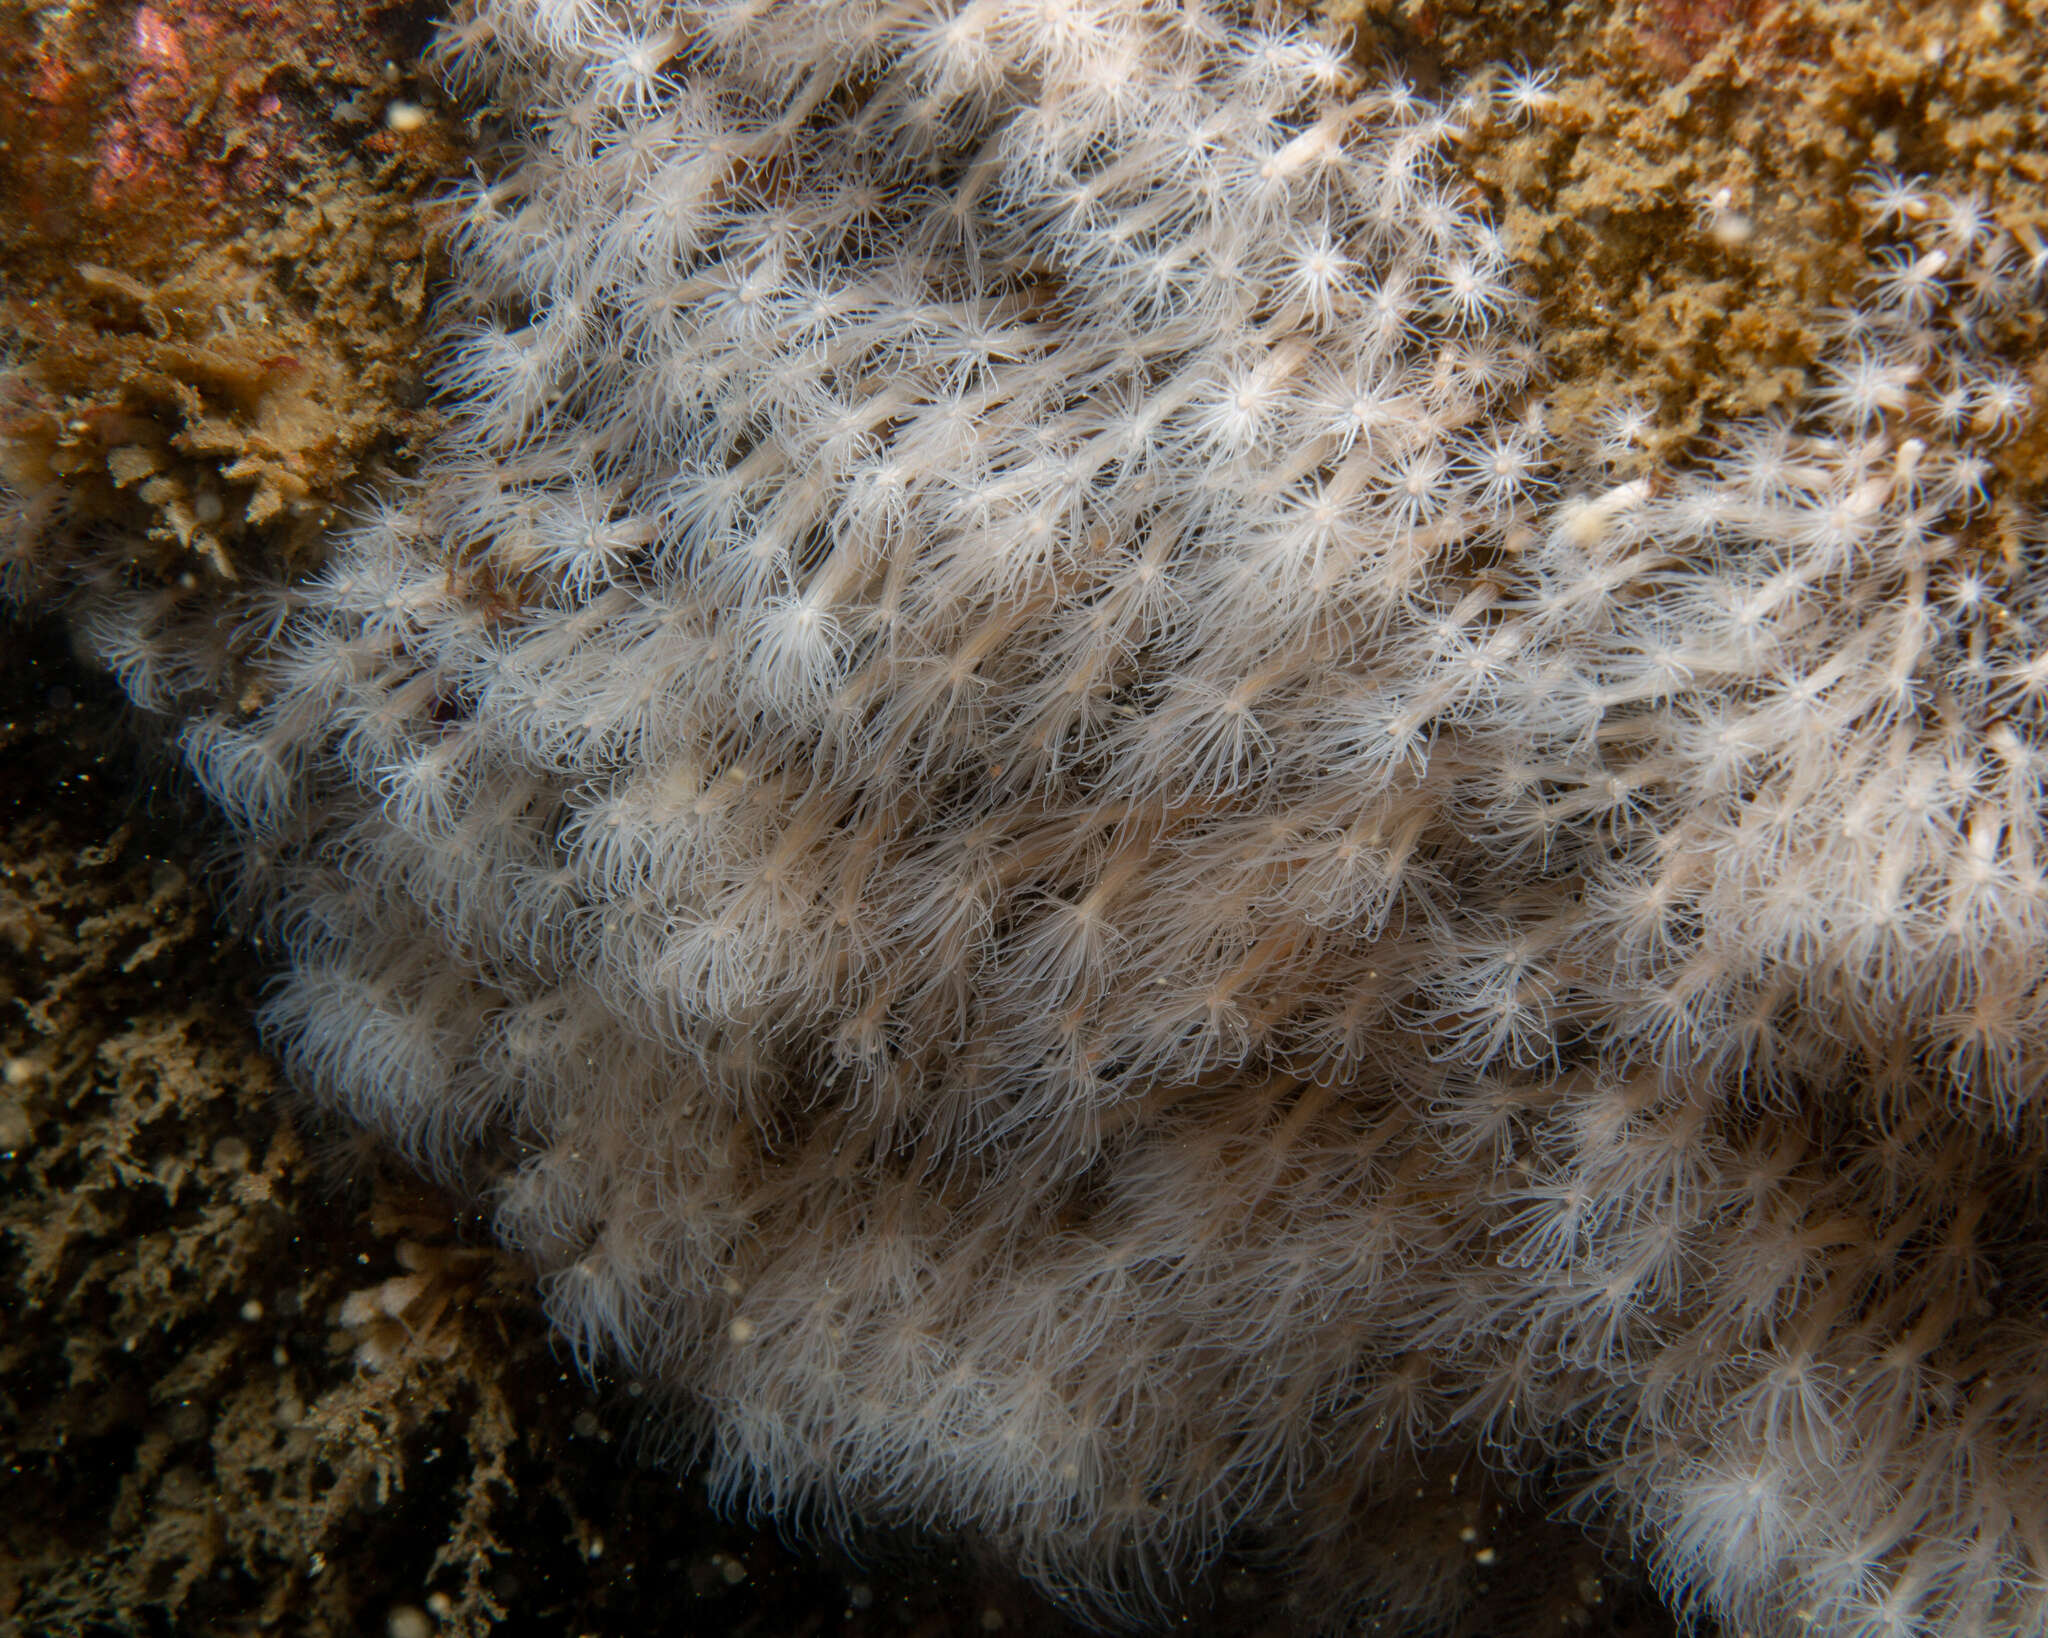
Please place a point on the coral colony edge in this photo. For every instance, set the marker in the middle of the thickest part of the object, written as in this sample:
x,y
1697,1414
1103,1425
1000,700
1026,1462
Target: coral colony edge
x,y
1055,857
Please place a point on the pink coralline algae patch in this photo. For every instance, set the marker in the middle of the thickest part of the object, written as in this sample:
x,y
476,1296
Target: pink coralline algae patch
x,y
150,135
53,80
1676,35
156,40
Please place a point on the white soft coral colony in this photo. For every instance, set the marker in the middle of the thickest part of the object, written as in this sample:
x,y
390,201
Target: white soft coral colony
x,y
1055,863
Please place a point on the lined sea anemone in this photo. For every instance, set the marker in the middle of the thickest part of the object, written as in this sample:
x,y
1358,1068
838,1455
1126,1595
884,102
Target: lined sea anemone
x,y
1054,855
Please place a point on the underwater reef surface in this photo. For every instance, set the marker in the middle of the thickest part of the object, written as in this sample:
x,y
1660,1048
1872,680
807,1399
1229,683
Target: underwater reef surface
x,y
1685,204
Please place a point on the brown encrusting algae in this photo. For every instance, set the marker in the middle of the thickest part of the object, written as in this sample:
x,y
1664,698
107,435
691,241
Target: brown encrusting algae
x,y
215,275
1232,810
1688,206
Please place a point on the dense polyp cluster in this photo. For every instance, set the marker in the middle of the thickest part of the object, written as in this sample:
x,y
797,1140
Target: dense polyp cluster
x,y
1053,855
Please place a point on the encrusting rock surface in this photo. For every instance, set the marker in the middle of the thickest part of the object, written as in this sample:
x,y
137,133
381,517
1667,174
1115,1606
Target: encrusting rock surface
x,y
217,274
